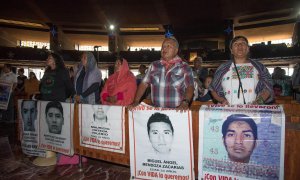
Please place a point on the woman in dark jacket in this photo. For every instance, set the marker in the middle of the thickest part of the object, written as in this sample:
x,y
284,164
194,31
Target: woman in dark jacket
x,y
56,84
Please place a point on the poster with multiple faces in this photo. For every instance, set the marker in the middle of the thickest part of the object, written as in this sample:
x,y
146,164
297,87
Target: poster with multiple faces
x,y
241,142
28,110
102,127
161,143
55,126
5,91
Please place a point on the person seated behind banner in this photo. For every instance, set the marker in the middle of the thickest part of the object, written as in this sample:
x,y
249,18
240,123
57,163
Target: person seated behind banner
x,y
277,90
239,137
205,95
54,117
29,114
120,87
161,133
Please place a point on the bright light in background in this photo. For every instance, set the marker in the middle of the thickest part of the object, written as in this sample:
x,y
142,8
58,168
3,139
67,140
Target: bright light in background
x,y
111,27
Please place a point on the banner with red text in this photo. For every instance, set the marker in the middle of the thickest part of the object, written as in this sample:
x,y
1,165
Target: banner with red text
x,y
5,92
56,126
102,127
161,143
241,142
28,131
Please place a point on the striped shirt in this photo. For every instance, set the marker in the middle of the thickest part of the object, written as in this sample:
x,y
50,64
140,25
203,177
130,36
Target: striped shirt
x,y
168,87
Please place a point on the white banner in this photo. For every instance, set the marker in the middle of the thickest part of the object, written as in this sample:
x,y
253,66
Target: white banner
x,y
241,142
56,126
102,127
5,92
161,143
28,111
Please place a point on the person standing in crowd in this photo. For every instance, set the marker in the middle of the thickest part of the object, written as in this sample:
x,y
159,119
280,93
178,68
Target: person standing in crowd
x,y
120,87
20,88
87,80
31,85
9,77
279,77
56,84
140,77
242,80
171,79
199,70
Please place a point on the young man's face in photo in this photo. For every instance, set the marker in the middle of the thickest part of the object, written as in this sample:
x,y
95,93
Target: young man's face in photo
x,y
100,115
29,114
239,141
161,137
54,120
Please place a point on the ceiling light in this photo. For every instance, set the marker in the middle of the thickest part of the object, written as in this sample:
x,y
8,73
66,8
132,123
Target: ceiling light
x,y
111,27
140,29
21,23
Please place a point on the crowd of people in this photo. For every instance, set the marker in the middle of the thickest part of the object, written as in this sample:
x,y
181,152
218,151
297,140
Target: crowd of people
x,y
169,82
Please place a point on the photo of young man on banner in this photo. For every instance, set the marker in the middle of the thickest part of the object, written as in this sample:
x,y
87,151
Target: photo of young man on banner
x,y
102,127
242,141
28,132
56,126
161,143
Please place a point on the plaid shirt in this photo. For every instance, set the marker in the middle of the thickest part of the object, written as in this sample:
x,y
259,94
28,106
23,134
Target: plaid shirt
x,y
168,88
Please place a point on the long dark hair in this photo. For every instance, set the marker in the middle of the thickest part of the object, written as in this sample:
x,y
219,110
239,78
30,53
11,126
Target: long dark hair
x,y
59,61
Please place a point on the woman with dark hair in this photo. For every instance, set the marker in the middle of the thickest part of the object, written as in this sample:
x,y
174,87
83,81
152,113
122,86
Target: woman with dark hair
x,y
87,80
120,87
56,84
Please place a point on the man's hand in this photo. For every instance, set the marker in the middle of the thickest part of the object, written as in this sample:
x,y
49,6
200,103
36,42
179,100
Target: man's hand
x,y
133,105
183,106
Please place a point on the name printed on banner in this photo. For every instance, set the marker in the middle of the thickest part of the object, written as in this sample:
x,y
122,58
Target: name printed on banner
x,y
54,148
55,140
29,137
162,164
250,170
100,131
102,142
152,174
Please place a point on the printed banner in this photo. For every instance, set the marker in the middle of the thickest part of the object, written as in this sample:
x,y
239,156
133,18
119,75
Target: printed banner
x,y
102,127
56,126
161,143
28,111
241,142
5,91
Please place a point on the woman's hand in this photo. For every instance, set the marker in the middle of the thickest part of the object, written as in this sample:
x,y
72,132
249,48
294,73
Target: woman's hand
x,y
111,99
